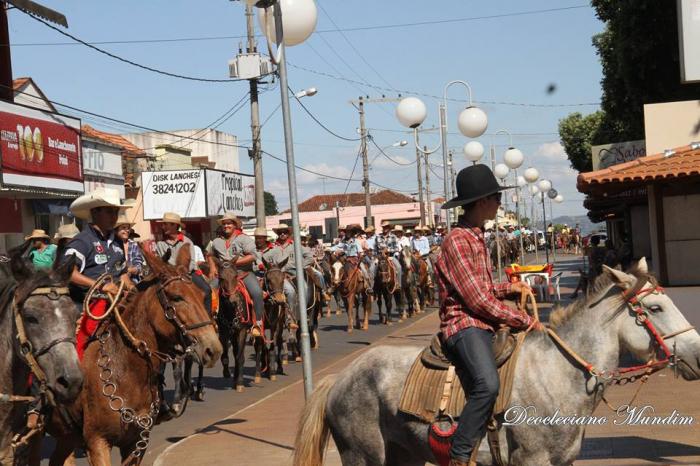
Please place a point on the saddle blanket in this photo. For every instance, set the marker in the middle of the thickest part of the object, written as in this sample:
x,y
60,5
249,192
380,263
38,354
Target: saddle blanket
x,y
424,386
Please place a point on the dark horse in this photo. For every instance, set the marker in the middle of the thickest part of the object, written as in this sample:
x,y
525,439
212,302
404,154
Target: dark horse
x,y
120,399
409,287
352,289
37,336
235,318
274,351
386,287
424,284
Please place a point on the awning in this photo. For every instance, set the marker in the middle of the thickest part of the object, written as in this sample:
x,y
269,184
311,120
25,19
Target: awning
x,y
51,206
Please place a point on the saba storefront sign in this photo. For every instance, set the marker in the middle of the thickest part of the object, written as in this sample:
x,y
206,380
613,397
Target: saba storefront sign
x,y
197,193
40,149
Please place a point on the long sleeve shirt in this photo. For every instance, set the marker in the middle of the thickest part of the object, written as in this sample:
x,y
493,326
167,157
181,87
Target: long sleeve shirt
x,y
421,245
468,296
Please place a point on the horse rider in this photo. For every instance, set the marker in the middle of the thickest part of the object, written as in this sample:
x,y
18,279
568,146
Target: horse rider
x,y
370,252
439,235
388,243
262,246
421,247
62,237
42,253
284,249
310,264
353,253
132,251
235,243
97,251
470,309
404,241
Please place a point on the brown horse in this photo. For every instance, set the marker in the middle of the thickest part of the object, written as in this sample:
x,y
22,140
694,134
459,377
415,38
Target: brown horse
x,y
426,297
120,398
274,352
387,289
353,290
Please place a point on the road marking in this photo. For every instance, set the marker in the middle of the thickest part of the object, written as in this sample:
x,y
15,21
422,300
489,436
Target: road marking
x,y
160,460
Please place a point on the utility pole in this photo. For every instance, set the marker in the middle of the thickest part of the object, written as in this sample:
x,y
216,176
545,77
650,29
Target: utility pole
x,y
365,163
6,91
452,176
420,182
427,189
337,215
255,152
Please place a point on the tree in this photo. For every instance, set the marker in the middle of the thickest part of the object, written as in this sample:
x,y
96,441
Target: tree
x,y
576,132
639,54
270,204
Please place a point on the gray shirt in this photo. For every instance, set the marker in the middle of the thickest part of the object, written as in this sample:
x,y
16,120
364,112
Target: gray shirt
x,y
307,256
165,248
240,245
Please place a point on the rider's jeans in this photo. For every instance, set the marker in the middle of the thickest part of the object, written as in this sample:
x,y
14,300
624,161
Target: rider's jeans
x,y
321,280
291,294
397,265
251,284
471,350
202,284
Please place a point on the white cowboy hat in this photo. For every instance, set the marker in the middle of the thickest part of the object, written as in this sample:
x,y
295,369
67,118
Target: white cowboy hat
x,y
260,231
69,230
229,216
171,217
37,234
398,228
100,197
282,226
123,220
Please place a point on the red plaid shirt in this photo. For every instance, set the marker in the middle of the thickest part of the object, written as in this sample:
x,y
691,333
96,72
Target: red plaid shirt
x,y
468,296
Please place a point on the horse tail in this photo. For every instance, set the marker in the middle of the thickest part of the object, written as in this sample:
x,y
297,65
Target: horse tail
x,y
312,432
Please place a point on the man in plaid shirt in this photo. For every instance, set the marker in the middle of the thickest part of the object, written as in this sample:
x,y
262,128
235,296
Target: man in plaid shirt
x,y
470,309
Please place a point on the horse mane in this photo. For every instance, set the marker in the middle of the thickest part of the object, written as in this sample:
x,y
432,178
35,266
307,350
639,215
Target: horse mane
x,y
603,283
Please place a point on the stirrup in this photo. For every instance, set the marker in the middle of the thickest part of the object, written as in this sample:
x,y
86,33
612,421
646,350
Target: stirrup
x,y
255,331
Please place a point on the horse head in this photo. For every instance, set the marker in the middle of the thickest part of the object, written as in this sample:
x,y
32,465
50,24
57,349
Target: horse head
x,y
175,308
228,278
45,320
649,311
336,273
274,280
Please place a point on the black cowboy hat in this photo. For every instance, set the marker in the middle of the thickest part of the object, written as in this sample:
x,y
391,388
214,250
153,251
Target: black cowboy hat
x,y
473,183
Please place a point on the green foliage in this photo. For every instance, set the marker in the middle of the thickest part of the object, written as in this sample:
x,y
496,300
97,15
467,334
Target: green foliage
x,y
270,204
577,132
525,221
639,55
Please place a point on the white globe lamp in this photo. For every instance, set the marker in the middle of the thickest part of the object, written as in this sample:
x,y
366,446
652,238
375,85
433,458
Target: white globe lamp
x,y
513,158
531,175
298,21
521,181
411,112
534,189
472,122
501,171
559,199
545,185
473,151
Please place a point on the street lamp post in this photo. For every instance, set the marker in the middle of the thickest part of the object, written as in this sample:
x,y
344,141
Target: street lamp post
x,y
501,172
472,122
514,159
530,176
302,17
545,186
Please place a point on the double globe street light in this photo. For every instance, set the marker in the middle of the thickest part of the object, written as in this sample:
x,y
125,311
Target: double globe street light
x,y
472,122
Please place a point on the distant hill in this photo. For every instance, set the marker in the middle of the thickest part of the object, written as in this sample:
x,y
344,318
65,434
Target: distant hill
x,y
586,225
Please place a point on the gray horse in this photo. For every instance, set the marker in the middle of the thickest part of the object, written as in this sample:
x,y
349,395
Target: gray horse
x,y
360,406
48,320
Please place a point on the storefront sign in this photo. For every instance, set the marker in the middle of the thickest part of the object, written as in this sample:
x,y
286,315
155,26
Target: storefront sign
x,y
182,192
100,163
40,149
94,182
230,192
607,155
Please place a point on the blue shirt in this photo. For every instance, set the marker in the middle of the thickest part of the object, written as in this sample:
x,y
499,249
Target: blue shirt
x,y
352,248
372,243
422,245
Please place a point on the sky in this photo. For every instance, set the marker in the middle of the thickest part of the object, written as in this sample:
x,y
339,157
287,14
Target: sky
x,y
509,52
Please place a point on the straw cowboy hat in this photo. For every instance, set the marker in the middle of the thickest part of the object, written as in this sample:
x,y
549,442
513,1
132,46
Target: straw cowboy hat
x,y
370,229
229,216
260,231
473,183
355,227
69,230
282,227
123,220
37,234
171,217
386,223
398,228
100,197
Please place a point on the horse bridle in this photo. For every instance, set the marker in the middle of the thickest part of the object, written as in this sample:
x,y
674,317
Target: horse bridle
x,y
171,314
29,354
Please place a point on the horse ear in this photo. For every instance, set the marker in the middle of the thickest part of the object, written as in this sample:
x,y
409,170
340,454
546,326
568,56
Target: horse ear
x,y
21,270
642,266
154,262
619,277
184,257
64,269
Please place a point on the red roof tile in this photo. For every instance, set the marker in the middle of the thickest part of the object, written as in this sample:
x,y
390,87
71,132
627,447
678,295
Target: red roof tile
x,y
18,83
127,147
683,162
386,196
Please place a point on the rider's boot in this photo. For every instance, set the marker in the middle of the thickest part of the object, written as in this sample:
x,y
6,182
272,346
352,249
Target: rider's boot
x,y
256,330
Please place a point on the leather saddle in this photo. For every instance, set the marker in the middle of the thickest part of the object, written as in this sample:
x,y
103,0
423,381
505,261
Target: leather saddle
x,y
434,357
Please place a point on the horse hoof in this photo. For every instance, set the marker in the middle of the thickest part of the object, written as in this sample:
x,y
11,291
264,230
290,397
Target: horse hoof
x,y
297,359
273,378
285,361
227,374
199,395
239,388
257,379
349,329
175,408
338,312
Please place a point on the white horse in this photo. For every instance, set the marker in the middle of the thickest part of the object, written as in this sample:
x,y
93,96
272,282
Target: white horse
x,y
359,407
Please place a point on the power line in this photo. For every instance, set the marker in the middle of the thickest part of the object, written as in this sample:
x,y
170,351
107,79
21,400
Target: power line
x,y
125,60
381,151
319,122
322,31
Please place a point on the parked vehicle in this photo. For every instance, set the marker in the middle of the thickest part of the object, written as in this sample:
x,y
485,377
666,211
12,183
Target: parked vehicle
x,y
603,235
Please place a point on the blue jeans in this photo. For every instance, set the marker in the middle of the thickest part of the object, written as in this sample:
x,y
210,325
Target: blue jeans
x,y
471,350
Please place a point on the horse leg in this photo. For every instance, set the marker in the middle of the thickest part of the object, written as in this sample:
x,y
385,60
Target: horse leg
x,y
350,307
224,339
259,345
98,452
239,358
181,388
199,393
63,453
367,301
